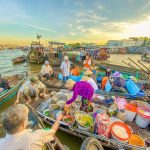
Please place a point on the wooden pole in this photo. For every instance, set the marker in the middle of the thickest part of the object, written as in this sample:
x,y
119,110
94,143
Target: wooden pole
x,y
143,65
138,66
129,65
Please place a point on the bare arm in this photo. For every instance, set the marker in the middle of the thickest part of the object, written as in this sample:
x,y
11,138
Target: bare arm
x,y
18,95
56,124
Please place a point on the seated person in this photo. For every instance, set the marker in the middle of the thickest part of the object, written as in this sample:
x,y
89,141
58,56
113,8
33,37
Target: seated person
x,y
91,81
31,88
83,89
75,71
46,71
4,85
18,136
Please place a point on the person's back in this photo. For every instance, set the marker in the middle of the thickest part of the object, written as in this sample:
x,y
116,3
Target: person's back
x,y
25,140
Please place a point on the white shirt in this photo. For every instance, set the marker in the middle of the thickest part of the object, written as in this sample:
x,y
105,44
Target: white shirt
x,y
93,83
65,68
27,83
46,69
26,140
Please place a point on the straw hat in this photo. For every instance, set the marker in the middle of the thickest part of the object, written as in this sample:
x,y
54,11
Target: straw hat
x,y
34,79
70,83
85,78
65,57
88,72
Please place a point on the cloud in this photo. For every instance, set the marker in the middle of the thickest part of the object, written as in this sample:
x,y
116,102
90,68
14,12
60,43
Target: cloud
x,y
72,33
39,27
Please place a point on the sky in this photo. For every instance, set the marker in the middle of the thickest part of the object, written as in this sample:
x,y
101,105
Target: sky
x,y
73,20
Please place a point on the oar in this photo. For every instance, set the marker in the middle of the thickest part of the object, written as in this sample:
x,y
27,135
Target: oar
x,y
129,65
143,65
138,66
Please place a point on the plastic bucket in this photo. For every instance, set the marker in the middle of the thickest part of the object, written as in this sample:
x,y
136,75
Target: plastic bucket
x,y
130,115
141,121
143,117
130,110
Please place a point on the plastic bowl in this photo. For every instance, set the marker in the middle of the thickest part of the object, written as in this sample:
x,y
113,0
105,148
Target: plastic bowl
x,y
116,136
136,140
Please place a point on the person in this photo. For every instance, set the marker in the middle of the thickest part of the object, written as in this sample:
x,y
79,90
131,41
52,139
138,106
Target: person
x,y
83,89
18,136
108,71
65,67
78,57
91,81
4,85
75,71
30,89
47,71
93,68
87,63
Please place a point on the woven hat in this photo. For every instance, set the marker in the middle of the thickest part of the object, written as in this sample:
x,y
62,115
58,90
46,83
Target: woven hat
x,y
88,72
85,78
70,83
34,79
65,57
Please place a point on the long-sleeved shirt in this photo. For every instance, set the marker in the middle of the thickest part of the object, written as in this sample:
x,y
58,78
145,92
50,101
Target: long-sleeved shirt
x,y
83,89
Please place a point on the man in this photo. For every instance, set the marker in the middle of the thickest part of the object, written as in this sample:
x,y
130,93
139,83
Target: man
x,y
65,68
46,71
4,85
18,136
30,89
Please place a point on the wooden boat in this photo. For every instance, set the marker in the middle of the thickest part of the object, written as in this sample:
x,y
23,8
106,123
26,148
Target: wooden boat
x,y
73,130
126,71
20,59
15,83
146,59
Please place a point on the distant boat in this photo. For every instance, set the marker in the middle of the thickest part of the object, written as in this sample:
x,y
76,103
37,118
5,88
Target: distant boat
x,y
146,56
20,59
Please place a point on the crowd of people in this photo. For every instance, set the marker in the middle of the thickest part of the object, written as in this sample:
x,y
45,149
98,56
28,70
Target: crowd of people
x,y
15,118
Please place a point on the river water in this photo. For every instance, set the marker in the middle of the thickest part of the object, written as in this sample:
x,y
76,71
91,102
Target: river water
x,y
7,68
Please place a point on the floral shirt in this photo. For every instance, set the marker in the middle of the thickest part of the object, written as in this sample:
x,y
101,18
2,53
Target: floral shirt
x,y
83,89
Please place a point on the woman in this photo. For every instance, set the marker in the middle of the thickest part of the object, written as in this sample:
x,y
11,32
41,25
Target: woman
x,y
18,137
87,63
83,89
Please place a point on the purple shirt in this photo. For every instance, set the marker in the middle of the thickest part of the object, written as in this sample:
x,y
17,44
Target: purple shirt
x,y
83,89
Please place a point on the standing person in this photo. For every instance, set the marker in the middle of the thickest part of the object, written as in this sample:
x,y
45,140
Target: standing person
x,y
87,63
108,72
18,136
83,89
65,68
47,71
